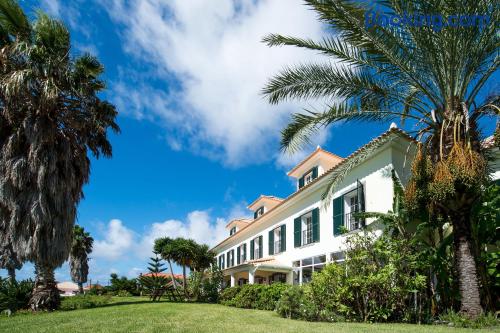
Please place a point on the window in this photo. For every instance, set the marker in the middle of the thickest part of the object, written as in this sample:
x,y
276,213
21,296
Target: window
x,y
345,207
256,248
307,229
308,178
232,231
277,240
337,256
242,254
304,269
259,212
277,277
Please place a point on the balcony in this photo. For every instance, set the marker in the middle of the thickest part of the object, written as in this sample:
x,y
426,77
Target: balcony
x,y
352,223
277,247
256,254
307,236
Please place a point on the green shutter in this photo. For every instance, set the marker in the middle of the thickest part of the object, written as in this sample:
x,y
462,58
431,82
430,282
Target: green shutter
x,y
228,259
260,247
283,238
238,254
297,228
301,182
338,214
255,215
245,252
315,225
271,242
360,192
315,172
232,257
252,249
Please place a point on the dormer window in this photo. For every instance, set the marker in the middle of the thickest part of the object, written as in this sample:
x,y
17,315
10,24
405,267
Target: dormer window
x,y
308,177
232,231
259,212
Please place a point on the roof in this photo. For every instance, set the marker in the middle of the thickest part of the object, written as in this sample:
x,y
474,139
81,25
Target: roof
x,y
166,275
265,197
317,151
241,219
380,140
67,286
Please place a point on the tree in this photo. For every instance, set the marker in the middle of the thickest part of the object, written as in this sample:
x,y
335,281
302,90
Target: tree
x,y
81,247
432,76
9,260
183,251
154,282
203,259
164,246
50,118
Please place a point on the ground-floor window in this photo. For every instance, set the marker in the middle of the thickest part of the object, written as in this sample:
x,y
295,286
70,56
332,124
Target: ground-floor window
x,y
304,269
242,281
277,277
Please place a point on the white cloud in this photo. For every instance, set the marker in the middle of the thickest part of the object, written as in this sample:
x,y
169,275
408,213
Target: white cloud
x,y
120,242
117,241
215,55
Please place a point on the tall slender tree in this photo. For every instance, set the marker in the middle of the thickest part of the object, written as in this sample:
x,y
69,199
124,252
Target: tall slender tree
x,y
421,71
81,247
50,118
164,246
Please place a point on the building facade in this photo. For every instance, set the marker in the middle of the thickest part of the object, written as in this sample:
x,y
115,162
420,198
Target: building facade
x,y
289,239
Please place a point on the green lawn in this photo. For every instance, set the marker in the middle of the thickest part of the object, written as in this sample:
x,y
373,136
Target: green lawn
x,y
139,315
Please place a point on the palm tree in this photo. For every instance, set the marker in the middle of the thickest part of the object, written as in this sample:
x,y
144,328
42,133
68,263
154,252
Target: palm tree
x,y
81,247
429,76
183,252
203,258
164,246
9,261
50,117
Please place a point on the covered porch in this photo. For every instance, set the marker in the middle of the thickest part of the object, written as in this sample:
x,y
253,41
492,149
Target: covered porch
x,y
260,271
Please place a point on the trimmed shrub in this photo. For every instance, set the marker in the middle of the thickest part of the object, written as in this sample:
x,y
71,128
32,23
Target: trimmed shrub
x,y
270,295
290,302
228,294
248,296
83,302
15,295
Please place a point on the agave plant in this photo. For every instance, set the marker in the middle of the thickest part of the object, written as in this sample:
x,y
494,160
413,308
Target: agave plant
x,y
432,78
81,247
50,118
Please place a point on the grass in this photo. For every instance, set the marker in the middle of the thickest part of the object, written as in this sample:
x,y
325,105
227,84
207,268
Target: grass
x,y
129,314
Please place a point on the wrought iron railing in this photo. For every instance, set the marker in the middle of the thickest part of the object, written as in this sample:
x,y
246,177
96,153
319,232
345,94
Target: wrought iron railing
x,y
277,246
307,236
351,222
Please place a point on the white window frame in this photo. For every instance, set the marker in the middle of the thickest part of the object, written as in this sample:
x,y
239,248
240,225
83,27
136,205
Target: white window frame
x,y
256,249
307,228
308,178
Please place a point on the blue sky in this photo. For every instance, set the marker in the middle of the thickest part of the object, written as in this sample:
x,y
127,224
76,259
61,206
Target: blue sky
x,y
198,142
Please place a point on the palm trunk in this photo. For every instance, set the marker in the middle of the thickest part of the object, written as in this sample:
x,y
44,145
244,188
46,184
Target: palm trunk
x,y
465,265
45,294
12,273
184,280
174,282
80,288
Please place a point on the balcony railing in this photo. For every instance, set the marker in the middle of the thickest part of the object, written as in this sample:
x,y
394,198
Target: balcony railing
x,y
351,222
277,247
307,236
256,254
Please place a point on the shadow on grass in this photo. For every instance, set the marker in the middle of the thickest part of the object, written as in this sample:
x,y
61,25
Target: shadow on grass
x,y
143,301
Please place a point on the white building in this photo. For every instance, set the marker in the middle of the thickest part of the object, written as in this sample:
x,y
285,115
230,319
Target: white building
x,y
289,239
